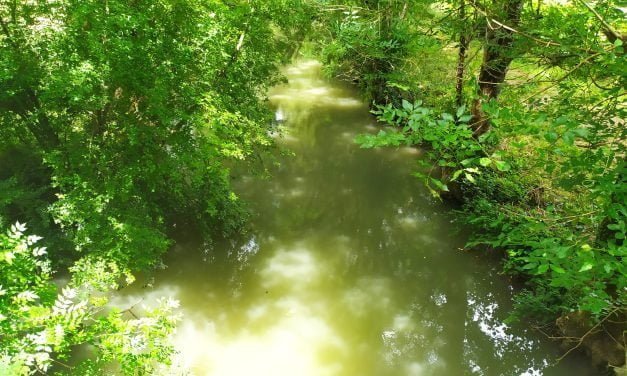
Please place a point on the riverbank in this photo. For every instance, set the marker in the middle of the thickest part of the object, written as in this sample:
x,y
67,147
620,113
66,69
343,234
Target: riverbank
x,y
544,181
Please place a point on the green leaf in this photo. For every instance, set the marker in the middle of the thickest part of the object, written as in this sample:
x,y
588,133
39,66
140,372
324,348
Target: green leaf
x,y
470,178
485,162
543,268
434,193
407,106
397,85
562,252
464,118
456,174
569,138
460,111
586,266
557,269
581,132
503,166
550,136
441,186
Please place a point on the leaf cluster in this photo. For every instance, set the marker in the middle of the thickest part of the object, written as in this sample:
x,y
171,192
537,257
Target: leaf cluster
x,y
41,325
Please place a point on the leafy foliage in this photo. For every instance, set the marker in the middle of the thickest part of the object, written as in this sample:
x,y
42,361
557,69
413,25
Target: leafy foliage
x,y
137,108
120,121
547,183
40,326
448,139
366,40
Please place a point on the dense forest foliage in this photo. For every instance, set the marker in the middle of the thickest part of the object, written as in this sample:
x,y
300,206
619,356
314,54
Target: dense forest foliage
x,y
520,106
120,120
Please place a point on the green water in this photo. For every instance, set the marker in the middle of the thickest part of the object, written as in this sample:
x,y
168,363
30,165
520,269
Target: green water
x,y
350,269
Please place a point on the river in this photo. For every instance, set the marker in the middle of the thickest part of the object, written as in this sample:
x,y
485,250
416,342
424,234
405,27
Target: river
x,y
351,268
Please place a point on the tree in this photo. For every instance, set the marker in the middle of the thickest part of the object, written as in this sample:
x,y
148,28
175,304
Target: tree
x,y
137,108
126,116
497,56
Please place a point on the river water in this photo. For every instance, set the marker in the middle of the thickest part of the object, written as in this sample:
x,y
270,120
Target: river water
x,y
350,268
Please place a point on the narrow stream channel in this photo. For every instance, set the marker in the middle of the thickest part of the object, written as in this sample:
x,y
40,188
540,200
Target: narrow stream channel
x,y
351,268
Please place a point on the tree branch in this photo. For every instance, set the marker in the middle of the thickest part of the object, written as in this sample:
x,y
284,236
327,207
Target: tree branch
x,y
542,42
588,333
581,63
612,34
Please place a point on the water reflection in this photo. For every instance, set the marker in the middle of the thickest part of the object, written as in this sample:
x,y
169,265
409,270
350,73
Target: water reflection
x,y
351,268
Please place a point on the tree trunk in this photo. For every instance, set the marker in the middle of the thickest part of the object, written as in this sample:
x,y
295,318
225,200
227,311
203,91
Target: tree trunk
x,y
497,56
464,41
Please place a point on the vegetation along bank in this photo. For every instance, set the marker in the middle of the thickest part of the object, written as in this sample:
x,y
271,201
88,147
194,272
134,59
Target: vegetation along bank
x,y
119,121
520,106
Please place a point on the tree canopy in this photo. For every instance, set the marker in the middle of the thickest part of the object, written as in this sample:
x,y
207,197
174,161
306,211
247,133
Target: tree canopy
x,y
121,121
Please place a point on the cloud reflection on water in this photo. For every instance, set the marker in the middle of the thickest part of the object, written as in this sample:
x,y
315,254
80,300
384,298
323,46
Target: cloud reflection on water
x,y
351,268
282,333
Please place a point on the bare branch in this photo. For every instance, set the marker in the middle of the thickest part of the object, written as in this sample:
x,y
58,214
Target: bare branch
x,y
588,333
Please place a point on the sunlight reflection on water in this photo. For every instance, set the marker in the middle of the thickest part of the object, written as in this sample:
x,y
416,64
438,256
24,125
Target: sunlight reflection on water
x,y
290,338
351,268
